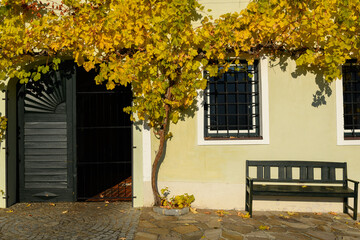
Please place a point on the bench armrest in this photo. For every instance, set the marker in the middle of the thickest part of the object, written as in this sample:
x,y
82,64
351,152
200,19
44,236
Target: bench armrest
x,y
350,180
249,181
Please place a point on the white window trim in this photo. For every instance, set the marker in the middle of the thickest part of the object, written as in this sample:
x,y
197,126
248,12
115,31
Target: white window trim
x,y
340,116
264,114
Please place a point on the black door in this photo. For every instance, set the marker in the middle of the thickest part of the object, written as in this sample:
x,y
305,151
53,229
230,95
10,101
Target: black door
x,y
45,137
104,140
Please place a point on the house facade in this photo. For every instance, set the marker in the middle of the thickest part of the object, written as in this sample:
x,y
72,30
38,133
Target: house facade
x,y
265,111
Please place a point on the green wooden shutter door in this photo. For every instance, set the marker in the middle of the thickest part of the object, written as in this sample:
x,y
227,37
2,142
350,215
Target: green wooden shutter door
x,y
46,136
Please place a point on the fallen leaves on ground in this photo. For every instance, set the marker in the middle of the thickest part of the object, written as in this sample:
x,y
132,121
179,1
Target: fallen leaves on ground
x,y
207,213
337,217
10,211
284,216
240,214
193,210
219,220
64,212
292,213
304,186
28,205
264,227
333,213
107,202
317,213
222,213
52,204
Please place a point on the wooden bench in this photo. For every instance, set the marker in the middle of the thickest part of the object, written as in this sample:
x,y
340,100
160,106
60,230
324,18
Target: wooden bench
x,y
326,185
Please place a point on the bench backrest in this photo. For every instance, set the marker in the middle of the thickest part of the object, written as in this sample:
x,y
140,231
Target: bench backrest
x,y
306,171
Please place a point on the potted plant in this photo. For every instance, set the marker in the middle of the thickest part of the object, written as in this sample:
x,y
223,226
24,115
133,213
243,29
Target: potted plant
x,y
174,206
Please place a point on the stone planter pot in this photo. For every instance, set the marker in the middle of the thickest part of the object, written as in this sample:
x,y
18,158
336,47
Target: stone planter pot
x,y
171,212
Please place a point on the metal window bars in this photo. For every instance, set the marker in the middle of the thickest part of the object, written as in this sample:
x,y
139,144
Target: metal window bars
x,y
232,108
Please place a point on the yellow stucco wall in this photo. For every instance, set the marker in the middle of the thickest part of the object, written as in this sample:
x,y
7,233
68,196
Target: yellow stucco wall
x,y
298,131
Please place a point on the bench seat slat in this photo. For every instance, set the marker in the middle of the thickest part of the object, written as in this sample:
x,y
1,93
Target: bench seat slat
x,y
294,190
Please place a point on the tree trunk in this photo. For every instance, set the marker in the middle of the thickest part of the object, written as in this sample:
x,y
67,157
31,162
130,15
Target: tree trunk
x,y
155,167
163,138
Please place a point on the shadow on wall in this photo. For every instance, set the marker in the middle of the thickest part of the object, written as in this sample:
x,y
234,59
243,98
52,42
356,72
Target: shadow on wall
x,y
324,91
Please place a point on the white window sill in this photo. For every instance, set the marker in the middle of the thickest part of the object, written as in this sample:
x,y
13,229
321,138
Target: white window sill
x,y
204,142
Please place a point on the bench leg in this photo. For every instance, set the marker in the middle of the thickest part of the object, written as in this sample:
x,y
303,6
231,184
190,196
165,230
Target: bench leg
x,y
355,205
345,204
355,209
246,199
356,193
250,204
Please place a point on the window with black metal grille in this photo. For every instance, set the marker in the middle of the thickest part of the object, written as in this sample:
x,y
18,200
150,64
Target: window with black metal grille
x,y
232,106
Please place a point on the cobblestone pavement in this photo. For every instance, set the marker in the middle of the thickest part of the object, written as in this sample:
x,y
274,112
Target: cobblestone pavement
x,y
70,220
119,221
231,225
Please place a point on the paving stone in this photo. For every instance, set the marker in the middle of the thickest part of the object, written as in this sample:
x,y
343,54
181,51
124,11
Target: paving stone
x,y
213,223
321,235
296,224
244,229
349,238
260,234
184,221
145,236
283,236
159,231
278,229
186,229
212,234
256,238
231,235
323,228
353,233
193,235
167,237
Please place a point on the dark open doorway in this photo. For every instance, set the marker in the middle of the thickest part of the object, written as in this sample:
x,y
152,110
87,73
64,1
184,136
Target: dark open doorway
x,y
104,140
